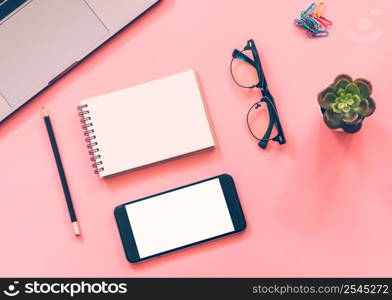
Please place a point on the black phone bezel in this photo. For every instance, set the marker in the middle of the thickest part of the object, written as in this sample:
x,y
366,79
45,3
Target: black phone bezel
x,y
232,201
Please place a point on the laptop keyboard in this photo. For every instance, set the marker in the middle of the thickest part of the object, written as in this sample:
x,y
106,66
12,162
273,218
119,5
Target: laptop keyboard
x,y
8,6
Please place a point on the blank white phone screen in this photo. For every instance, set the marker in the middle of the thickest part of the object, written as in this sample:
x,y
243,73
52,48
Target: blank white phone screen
x,y
179,218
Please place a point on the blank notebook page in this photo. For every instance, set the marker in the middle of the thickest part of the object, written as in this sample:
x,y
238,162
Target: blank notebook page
x,y
148,123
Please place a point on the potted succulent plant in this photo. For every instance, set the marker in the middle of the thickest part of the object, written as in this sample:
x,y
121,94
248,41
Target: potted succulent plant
x,y
346,103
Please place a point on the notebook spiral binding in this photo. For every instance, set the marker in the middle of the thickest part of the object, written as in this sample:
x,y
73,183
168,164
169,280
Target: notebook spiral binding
x,y
92,145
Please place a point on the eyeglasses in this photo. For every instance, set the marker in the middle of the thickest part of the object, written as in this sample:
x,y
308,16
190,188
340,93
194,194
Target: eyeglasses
x,y
247,72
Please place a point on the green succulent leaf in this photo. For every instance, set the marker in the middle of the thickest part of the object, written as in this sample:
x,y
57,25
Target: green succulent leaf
x,y
364,86
357,100
327,100
362,108
348,96
351,117
366,107
342,77
372,105
332,119
340,92
352,89
350,101
329,90
341,84
339,100
336,108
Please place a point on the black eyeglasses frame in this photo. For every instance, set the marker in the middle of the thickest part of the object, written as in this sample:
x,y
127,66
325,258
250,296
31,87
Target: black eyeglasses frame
x,y
267,98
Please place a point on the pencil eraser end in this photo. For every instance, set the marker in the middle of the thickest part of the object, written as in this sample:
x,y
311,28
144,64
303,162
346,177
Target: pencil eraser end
x,y
75,227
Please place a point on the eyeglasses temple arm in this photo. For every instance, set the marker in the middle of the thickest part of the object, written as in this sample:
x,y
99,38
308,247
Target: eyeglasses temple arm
x,y
280,138
266,138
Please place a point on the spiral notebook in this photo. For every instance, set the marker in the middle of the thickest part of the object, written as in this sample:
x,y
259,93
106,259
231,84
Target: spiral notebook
x,y
146,124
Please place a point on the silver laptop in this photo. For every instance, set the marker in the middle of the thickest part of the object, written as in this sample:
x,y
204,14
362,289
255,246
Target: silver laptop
x,y
40,40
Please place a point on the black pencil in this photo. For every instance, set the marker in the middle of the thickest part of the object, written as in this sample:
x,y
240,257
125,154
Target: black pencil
x,y
60,168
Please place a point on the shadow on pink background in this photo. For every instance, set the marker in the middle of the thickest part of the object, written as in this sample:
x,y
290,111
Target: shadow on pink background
x,y
318,206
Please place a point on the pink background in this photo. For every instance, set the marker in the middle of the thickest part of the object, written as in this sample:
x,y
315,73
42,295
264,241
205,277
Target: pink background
x,y
320,205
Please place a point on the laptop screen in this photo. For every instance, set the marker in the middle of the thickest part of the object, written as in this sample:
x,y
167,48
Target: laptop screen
x,y
8,6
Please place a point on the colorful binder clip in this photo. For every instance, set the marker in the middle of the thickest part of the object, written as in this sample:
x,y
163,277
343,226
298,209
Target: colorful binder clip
x,y
313,21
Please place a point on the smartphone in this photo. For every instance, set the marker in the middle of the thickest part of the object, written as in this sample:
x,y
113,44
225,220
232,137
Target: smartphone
x,y
179,218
